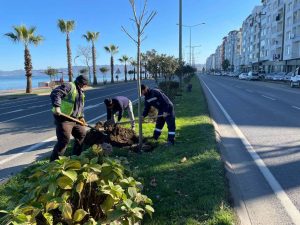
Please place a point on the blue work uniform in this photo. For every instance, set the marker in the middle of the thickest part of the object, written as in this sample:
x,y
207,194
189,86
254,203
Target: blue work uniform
x,y
157,99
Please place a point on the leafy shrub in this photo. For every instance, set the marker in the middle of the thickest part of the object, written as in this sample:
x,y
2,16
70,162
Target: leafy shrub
x,y
86,189
170,88
187,78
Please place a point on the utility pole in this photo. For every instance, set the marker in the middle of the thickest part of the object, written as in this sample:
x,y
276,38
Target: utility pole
x,y
180,32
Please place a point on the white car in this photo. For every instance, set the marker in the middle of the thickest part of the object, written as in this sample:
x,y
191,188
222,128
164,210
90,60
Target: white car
x,y
295,78
243,76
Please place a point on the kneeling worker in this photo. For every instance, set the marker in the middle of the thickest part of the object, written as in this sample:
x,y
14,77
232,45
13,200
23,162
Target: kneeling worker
x,y
68,99
119,104
166,113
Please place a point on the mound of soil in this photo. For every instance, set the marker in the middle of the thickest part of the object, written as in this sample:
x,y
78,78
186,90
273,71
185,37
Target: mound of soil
x,y
115,135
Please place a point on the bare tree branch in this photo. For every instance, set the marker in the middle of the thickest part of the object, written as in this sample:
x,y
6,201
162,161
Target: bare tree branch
x,y
151,16
143,12
144,39
128,34
134,11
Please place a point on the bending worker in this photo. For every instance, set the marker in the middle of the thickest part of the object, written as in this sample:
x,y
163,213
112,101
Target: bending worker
x,y
69,99
119,104
166,113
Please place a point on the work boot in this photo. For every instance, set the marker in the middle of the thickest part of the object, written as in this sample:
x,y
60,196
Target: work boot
x,y
169,144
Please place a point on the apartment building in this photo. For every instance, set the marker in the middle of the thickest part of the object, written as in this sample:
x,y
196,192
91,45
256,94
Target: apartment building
x,y
210,63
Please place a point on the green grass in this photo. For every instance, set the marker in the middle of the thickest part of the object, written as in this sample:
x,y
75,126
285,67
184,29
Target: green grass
x,y
191,192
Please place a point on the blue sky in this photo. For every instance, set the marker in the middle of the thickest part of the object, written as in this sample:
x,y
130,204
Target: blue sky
x,y
107,17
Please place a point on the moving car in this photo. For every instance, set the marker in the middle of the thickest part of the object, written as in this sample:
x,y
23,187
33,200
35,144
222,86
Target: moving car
x,y
253,76
295,78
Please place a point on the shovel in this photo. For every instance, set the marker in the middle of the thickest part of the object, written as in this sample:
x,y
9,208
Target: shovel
x,y
136,120
80,122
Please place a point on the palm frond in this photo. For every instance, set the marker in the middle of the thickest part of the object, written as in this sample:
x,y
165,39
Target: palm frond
x,y
12,36
70,25
36,39
61,25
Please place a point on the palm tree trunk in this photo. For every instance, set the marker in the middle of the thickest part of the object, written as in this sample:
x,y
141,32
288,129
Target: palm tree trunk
x,y
28,69
69,55
94,64
112,69
125,71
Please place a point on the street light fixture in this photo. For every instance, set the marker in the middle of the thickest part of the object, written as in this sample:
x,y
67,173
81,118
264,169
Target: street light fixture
x,y
191,26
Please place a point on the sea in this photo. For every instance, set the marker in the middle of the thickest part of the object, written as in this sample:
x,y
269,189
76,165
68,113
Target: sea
x,y
18,82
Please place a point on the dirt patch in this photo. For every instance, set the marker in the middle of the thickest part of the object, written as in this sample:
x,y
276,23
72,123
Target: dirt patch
x,y
116,135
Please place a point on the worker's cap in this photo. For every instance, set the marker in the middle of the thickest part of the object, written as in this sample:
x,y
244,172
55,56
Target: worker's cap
x,y
81,79
108,101
143,87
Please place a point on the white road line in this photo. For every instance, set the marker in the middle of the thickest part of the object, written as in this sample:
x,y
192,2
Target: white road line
x,y
295,107
274,184
34,147
92,106
273,99
19,110
20,117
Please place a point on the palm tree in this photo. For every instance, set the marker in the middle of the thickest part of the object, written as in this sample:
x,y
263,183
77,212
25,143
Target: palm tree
x,y
112,49
104,71
124,59
134,64
92,36
27,37
67,26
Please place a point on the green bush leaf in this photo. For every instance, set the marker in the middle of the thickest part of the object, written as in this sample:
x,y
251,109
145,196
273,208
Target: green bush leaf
x,y
149,210
72,165
48,217
51,205
71,174
79,215
65,183
108,203
79,187
66,211
92,177
132,191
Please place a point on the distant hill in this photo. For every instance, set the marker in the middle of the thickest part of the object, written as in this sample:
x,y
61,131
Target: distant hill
x,y
76,70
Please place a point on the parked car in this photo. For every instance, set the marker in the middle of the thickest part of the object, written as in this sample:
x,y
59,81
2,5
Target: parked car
x,y
288,76
252,76
279,76
295,79
243,76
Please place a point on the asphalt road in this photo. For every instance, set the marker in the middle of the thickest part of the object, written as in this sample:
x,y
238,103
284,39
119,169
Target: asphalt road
x,y
27,130
259,134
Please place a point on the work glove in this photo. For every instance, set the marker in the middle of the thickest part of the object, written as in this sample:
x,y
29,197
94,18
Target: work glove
x,y
81,119
57,111
165,114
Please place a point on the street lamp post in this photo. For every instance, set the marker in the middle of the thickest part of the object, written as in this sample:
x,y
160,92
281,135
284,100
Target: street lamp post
x,y
191,26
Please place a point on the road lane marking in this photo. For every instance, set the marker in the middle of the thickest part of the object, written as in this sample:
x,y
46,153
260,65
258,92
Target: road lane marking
x,y
19,110
295,107
273,99
274,184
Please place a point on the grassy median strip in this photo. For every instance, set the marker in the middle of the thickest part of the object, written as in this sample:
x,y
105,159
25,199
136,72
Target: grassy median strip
x,y
186,181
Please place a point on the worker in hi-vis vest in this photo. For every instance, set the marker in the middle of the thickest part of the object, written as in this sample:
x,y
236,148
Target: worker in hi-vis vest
x,y
68,99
